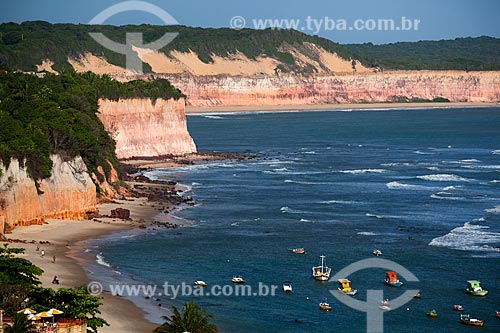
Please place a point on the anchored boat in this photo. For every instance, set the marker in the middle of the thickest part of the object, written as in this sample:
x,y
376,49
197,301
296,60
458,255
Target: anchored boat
x,y
322,272
467,320
299,250
474,288
345,287
432,314
200,283
287,286
325,306
391,279
238,279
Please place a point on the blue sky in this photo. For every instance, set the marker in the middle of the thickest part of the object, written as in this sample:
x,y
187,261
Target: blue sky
x,y
439,19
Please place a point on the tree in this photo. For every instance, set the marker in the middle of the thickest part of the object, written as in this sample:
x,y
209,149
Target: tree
x,y
21,324
193,319
15,270
74,302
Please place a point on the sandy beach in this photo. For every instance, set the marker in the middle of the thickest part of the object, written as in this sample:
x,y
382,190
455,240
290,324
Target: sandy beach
x,y
326,107
67,243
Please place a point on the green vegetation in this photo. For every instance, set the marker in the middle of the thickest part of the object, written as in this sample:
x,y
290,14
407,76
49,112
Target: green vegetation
x,y
21,324
57,115
482,53
22,46
19,289
193,319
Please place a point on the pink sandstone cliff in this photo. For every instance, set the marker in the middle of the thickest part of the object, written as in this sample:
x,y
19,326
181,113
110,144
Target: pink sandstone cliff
x,y
222,90
147,128
69,193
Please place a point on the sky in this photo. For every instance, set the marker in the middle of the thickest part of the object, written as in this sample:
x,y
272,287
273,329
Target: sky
x,y
347,21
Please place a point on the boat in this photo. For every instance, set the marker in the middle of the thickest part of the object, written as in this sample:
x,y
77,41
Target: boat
x,y
391,279
498,313
200,283
432,314
467,320
417,296
458,307
385,305
325,306
238,279
474,288
322,272
377,252
345,287
287,286
299,250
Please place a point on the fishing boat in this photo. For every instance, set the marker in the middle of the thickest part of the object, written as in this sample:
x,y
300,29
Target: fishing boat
x,y
467,320
325,306
385,305
238,279
345,287
458,307
417,296
299,250
474,288
377,252
287,286
200,283
432,314
391,279
322,272
498,314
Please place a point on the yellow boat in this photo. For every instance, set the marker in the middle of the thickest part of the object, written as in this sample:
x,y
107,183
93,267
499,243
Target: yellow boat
x,y
345,287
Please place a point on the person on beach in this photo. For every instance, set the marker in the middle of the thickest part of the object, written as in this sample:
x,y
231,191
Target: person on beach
x,y
37,248
54,259
43,253
55,280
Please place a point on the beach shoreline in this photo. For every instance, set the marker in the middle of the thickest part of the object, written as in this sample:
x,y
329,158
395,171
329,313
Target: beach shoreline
x,y
66,242
195,110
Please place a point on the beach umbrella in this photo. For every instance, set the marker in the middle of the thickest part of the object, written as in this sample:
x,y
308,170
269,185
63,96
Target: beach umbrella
x,y
26,311
33,317
55,312
44,314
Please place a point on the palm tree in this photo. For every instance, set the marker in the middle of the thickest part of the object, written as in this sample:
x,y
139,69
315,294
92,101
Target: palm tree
x,y
21,324
194,319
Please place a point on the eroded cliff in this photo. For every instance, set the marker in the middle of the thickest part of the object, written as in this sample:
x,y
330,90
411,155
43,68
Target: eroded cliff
x,y
457,86
69,193
146,127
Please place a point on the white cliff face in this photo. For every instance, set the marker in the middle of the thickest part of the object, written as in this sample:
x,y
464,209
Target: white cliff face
x,y
146,128
69,193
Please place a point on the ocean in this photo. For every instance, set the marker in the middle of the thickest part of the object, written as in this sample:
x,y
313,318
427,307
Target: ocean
x,y
423,186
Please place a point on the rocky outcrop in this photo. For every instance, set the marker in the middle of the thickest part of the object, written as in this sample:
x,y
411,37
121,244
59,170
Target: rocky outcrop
x,y
457,86
146,127
68,194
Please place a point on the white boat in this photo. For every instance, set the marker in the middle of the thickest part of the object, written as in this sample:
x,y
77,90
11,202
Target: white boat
x,y
322,272
287,287
200,283
238,279
377,252
325,306
345,287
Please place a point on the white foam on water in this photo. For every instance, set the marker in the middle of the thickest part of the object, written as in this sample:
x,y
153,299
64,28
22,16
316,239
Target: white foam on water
x,y
366,233
363,171
496,152
288,210
305,182
338,202
419,152
493,167
469,237
396,164
374,215
433,168
443,178
305,220
443,196
212,117
101,261
401,186
494,210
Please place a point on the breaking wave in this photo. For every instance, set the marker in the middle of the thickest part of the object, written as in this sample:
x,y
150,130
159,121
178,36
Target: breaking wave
x,y
443,178
401,186
362,171
469,237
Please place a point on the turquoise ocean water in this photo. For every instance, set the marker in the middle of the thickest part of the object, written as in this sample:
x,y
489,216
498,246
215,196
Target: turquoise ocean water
x,y
421,185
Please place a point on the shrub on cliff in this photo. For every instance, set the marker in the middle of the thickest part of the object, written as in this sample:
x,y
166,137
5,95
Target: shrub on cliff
x,y
56,114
